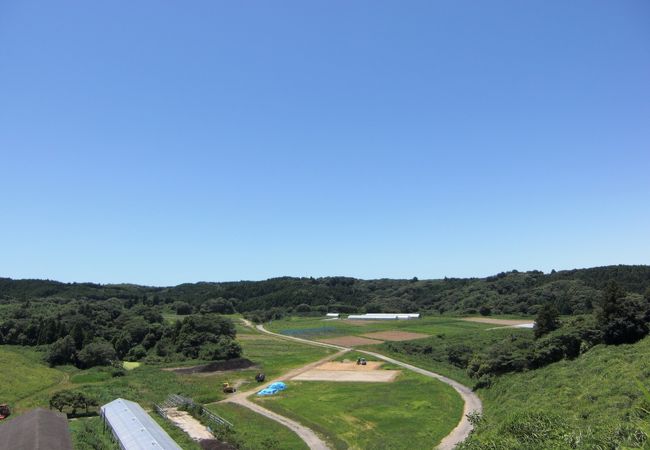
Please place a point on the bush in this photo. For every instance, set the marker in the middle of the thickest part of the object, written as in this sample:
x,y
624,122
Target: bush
x,y
459,355
485,311
303,308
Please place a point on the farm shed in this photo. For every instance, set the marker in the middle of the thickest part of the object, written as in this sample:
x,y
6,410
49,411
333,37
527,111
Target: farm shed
x,y
384,316
332,315
38,429
133,428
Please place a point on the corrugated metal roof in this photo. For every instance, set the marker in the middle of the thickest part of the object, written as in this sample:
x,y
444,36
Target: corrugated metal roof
x,y
38,429
134,428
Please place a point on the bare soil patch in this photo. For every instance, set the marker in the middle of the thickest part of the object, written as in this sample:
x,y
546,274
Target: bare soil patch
x,y
184,420
396,335
350,366
350,341
368,376
349,371
216,366
505,322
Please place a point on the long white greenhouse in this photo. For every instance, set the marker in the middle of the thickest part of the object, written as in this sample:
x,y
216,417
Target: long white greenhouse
x,y
384,316
133,428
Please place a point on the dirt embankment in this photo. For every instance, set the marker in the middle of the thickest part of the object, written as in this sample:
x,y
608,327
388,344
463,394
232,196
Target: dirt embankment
x,y
216,366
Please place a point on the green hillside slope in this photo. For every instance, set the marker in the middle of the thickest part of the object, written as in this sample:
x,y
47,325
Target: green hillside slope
x,y
591,402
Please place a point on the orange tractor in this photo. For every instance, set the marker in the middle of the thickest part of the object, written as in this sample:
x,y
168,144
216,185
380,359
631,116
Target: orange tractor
x,y
228,388
4,411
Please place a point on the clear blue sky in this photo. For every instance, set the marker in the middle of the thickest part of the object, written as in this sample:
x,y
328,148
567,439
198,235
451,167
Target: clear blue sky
x,y
163,142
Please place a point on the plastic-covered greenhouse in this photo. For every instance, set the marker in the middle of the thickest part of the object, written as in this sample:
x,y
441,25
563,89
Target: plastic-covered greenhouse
x,y
133,428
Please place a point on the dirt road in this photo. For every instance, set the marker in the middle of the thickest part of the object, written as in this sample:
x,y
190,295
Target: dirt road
x,y
306,434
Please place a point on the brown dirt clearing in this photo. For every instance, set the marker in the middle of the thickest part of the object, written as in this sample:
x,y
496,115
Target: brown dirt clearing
x,y
349,371
184,420
396,335
214,367
350,365
350,341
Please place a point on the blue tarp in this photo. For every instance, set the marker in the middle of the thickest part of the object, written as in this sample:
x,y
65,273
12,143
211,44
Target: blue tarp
x,y
273,388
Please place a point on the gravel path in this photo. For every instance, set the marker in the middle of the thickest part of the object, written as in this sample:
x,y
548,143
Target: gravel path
x,y
306,434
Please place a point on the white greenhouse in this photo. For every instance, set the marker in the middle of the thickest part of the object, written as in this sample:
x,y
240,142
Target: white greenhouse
x,y
133,428
384,316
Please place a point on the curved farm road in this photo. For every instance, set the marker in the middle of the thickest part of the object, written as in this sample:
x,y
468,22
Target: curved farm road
x,y
457,435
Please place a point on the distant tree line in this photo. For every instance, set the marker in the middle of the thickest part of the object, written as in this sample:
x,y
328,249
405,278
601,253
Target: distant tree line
x,y
618,318
89,324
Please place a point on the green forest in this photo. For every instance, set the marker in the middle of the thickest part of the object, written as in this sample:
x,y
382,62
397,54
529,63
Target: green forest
x,y
89,324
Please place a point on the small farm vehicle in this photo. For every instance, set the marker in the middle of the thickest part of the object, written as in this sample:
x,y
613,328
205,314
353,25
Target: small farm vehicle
x,y
4,411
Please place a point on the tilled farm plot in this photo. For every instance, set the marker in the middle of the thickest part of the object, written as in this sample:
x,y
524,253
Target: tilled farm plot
x,y
396,335
349,371
351,341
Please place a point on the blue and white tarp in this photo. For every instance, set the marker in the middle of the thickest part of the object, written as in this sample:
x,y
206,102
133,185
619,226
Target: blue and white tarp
x,y
273,388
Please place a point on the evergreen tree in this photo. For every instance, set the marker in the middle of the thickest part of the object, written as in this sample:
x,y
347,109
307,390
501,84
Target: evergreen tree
x,y
548,319
621,318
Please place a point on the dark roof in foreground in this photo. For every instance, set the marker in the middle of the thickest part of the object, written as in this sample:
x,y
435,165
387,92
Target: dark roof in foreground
x,y
38,429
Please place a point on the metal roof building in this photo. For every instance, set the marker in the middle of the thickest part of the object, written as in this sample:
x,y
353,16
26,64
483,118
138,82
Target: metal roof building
x,y
133,428
38,429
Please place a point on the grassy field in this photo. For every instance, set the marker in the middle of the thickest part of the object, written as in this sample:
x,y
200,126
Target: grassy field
x,y
28,382
24,376
254,431
372,415
591,402
89,433
317,328
356,414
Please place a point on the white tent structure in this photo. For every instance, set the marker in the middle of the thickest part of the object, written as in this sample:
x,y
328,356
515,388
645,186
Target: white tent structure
x,y
133,428
384,316
334,315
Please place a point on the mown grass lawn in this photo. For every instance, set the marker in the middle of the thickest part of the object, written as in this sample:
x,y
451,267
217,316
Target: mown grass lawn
x,y
414,412
254,431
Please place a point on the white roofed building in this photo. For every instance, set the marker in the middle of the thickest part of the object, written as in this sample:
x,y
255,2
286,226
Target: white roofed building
x,y
133,428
